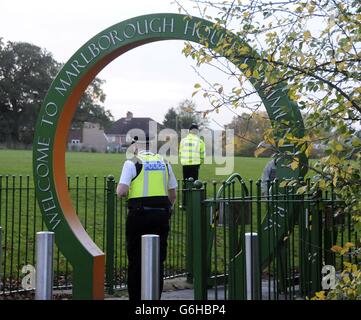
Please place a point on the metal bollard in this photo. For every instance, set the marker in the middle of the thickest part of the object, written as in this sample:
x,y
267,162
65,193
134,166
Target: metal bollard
x,y
150,267
44,265
252,266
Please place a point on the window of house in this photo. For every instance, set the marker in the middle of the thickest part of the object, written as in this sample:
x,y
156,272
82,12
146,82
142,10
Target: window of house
x,y
75,141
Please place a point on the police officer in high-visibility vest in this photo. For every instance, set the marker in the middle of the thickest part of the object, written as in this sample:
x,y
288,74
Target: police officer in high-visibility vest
x,y
191,153
149,182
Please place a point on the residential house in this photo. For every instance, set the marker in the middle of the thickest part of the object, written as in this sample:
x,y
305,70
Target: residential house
x,y
90,137
131,126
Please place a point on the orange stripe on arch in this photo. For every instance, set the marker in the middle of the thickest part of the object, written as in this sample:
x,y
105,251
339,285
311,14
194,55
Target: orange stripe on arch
x,y
60,141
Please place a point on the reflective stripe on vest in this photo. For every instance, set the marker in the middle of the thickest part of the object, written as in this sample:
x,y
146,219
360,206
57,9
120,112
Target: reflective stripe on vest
x,y
152,181
190,153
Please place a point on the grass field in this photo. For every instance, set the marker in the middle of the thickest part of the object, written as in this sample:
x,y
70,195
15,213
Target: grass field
x,y
19,162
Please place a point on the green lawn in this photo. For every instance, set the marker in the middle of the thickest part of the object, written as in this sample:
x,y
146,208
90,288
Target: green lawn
x,y
19,162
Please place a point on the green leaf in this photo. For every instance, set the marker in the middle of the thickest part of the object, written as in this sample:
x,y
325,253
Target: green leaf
x,y
356,142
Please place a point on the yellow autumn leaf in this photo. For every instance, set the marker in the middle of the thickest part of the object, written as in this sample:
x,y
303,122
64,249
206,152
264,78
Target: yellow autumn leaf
x,y
306,35
350,292
295,97
283,183
294,165
302,190
343,251
332,160
336,248
258,151
334,180
243,50
322,184
320,295
309,150
248,73
331,23
341,66
349,245
243,66
339,147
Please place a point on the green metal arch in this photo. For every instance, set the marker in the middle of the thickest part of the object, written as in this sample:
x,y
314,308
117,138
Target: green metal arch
x,y
60,104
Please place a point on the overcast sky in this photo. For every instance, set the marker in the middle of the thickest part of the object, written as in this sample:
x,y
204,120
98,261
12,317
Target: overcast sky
x,y
147,80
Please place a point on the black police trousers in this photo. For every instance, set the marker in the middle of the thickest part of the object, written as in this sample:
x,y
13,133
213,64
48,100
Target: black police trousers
x,y
191,171
140,222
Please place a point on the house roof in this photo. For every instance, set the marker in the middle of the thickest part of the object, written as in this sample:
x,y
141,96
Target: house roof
x,y
123,125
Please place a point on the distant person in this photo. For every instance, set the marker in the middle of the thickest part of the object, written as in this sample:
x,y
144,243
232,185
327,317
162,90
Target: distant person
x,y
149,182
191,153
269,174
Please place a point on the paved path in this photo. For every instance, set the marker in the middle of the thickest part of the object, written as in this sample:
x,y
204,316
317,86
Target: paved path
x,y
179,289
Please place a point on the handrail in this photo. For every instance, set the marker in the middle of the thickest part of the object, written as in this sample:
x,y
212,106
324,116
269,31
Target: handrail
x,y
231,178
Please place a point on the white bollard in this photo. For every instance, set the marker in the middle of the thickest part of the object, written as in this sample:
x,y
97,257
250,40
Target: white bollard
x,y
252,266
150,267
44,265
1,255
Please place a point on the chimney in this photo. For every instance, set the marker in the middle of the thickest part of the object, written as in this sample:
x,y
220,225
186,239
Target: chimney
x,y
129,115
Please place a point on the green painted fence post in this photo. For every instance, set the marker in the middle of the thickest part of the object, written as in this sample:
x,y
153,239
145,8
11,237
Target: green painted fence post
x,y
236,240
189,228
199,242
316,241
109,266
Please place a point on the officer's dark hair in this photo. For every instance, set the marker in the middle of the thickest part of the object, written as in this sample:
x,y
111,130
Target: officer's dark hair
x,y
193,126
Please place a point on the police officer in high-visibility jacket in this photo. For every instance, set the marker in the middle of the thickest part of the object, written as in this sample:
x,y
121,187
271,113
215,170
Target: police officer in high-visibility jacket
x,y
191,153
149,182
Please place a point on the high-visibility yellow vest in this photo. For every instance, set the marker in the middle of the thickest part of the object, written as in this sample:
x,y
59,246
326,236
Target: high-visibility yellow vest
x,y
152,181
191,150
